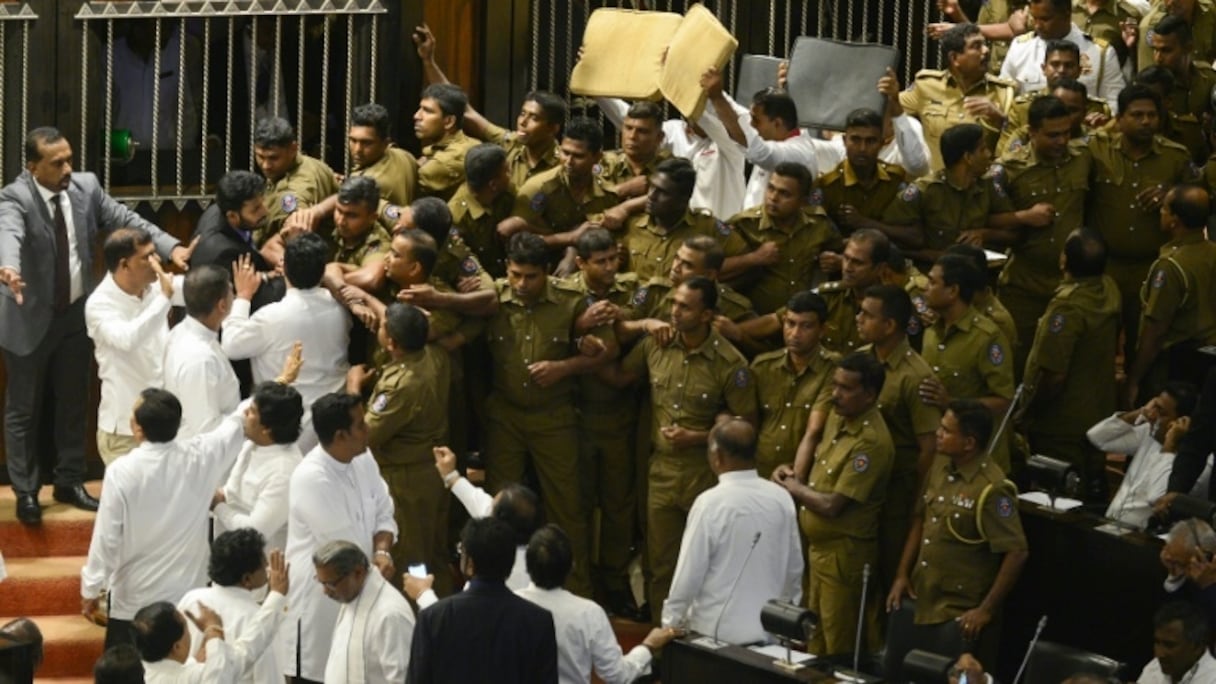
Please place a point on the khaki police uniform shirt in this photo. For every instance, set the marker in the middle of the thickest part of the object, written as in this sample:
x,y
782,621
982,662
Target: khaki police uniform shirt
x,y
840,329
905,415
1187,104
854,458
592,390
1034,263
1105,22
951,576
990,305
841,186
798,246
1016,132
996,12
457,262
396,174
651,249
362,251
547,203
477,225
787,398
407,415
306,183
442,167
1179,289
1203,32
943,211
615,168
517,155
1076,336
690,387
654,298
937,100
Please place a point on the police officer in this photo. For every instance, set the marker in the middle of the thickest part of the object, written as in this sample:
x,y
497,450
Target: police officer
x,y
857,191
1189,102
699,255
373,154
360,241
437,123
985,300
294,181
482,202
1200,17
628,169
1061,64
866,253
1052,19
1105,19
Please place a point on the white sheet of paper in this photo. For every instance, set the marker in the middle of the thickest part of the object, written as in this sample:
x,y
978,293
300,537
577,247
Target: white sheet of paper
x,y
1062,503
778,653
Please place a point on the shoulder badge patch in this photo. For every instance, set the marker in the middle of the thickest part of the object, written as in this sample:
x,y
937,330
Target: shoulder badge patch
x,y
468,266
996,355
723,229
538,202
817,197
597,170
639,296
742,378
910,193
380,402
392,212
1056,324
1004,507
289,203
861,463
453,232
1159,279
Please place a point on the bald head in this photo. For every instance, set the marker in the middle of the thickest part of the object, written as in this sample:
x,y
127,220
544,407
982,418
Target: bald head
x,y
1189,206
733,443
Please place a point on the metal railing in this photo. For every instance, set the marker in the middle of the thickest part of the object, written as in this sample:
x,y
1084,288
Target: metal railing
x,y
16,19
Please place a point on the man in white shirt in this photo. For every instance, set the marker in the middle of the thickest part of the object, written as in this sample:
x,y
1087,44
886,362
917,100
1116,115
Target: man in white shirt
x,y
585,640
1181,635
150,536
1149,435
744,525
255,494
375,623
194,363
239,579
126,319
306,312
335,493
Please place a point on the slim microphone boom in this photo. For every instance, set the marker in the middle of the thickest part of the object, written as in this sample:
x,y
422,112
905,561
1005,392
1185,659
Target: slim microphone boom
x,y
735,584
1030,649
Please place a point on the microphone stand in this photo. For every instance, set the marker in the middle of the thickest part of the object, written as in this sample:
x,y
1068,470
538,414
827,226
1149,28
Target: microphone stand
x,y
855,674
1030,649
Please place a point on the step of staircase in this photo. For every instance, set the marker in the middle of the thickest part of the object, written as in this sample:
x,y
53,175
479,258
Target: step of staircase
x,y
70,644
65,530
42,586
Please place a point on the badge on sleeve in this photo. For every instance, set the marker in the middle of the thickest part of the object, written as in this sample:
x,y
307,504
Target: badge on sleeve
x,y
538,202
453,232
861,463
723,229
639,297
914,325
289,203
1159,279
910,193
996,355
1004,507
468,266
1056,324
741,378
817,197
392,212
380,402
597,170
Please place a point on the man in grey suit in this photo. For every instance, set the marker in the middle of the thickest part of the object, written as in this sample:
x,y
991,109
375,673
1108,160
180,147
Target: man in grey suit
x,y
50,221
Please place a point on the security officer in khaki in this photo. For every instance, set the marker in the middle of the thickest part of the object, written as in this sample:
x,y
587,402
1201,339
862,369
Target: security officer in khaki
x,y
969,355
692,380
699,255
858,190
437,123
294,181
1200,17
784,238
1104,20
793,381
911,422
1133,168
1189,102
1047,181
484,200
1179,307
407,417
531,416
457,265
841,504
985,300
964,93
1061,64
966,548
866,253
373,154
360,242
628,169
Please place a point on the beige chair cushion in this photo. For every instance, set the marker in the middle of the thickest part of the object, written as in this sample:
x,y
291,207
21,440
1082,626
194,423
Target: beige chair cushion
x,y
623,54
700,43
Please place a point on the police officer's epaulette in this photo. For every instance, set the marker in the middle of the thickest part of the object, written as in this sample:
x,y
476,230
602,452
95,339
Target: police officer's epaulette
x,y
731,294
832,287
1171,144
702,211
747,214
1100,42
1130,9
1199,64
827,354
1025,37
566,285
931,73
895,171
1065,290
1027,98
916,281
659,281
459,210
832,176
1008,83
1077,145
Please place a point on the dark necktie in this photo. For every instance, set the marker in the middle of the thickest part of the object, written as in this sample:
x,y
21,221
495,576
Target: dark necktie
x,y
63,275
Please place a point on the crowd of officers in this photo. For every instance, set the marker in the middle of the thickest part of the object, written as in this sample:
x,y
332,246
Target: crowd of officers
x,y
854,318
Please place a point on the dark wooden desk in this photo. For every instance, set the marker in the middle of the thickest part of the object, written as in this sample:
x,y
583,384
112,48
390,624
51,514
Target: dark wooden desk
x,y
687,662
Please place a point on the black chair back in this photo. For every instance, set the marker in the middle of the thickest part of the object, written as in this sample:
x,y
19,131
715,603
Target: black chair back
x,y
904,635
1052,662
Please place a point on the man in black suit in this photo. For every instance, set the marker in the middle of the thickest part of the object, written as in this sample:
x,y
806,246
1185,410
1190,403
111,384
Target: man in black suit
x,y
50,221
485,633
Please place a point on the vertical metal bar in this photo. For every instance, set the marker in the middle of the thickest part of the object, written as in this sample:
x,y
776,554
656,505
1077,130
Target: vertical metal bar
x,y
836,18
253,80
806,18
789,20
897,41
156,54
734,20
865,20
181,99
325,87
570,48
350,77
300,86
276,77
924,43
848,21
202,150
373,60
25,76
228,88
535,6
882,23
772,28
109,100
84,97
552,47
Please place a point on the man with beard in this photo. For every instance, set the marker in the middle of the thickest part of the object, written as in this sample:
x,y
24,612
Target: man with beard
x,y
225,233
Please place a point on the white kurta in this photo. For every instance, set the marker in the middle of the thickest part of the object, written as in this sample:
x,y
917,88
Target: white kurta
x,y
197,372
745,525
328,501
1203,671
256,492
1100,71
150,536
381,623
247,626
585,640
220,668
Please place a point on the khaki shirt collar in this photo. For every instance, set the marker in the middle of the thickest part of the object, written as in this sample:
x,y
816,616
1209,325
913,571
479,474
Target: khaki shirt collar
x,y
1190,237
708,348
850,176
854,426
969,470
545,296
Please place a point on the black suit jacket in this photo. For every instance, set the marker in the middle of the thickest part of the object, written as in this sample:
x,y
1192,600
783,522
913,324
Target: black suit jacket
x,y
220,245
484,634
1197,443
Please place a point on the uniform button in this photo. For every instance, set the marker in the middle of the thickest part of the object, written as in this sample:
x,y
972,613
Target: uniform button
x,y
782,427
941,498
951,478
675,406
528,338
787,404
926,540
924,564
956,516
680,386
941,347
934,519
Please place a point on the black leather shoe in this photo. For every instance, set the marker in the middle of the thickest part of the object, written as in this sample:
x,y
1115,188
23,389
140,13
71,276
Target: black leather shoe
x,y
76,495
28,510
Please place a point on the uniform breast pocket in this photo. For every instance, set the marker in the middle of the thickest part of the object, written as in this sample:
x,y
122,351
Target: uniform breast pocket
x,y
556,345
935,119
703,400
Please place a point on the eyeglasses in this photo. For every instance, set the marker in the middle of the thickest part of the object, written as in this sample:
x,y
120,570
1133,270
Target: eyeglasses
x,y
333,584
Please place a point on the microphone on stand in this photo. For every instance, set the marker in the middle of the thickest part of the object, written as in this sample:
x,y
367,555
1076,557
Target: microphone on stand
x,y
734,585
1030,649
855,675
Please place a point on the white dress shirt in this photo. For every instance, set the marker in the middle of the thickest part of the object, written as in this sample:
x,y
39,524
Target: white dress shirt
x,y
744,525
256,492
380,623
585,640
76,291
1147,477
196,368
1024,64
250,628
220,668
1203,672
150,536
907,149
329,501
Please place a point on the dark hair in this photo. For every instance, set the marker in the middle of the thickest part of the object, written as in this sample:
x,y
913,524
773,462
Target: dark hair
x,y
280,409
863,117
122,244
959,140
681,173
896,304
1071,85
645,109
119,664
977,257
1140,91
157,628
1156,76
304,260
528,249
422,248
1190,204
407,326
273,131
1062,45
482,164
340,555
549,557
961,271
1171,25
204,287
808,301
25,631
955,39
235,188
519,508
586,131
707,288
375,116
1085,253
712,250
1056,5
592,241
553,107
43,135
432,215
360,190
159,415
880,244
488,543
734,438
451,99
869,369
331,415
1044,108
1185,394
799,173
974,420
234,554
777,104
896,259
1195,628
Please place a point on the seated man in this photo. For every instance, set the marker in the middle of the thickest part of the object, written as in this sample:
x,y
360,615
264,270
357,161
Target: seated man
x,y
23,641
1181,636
1187,556
119,665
